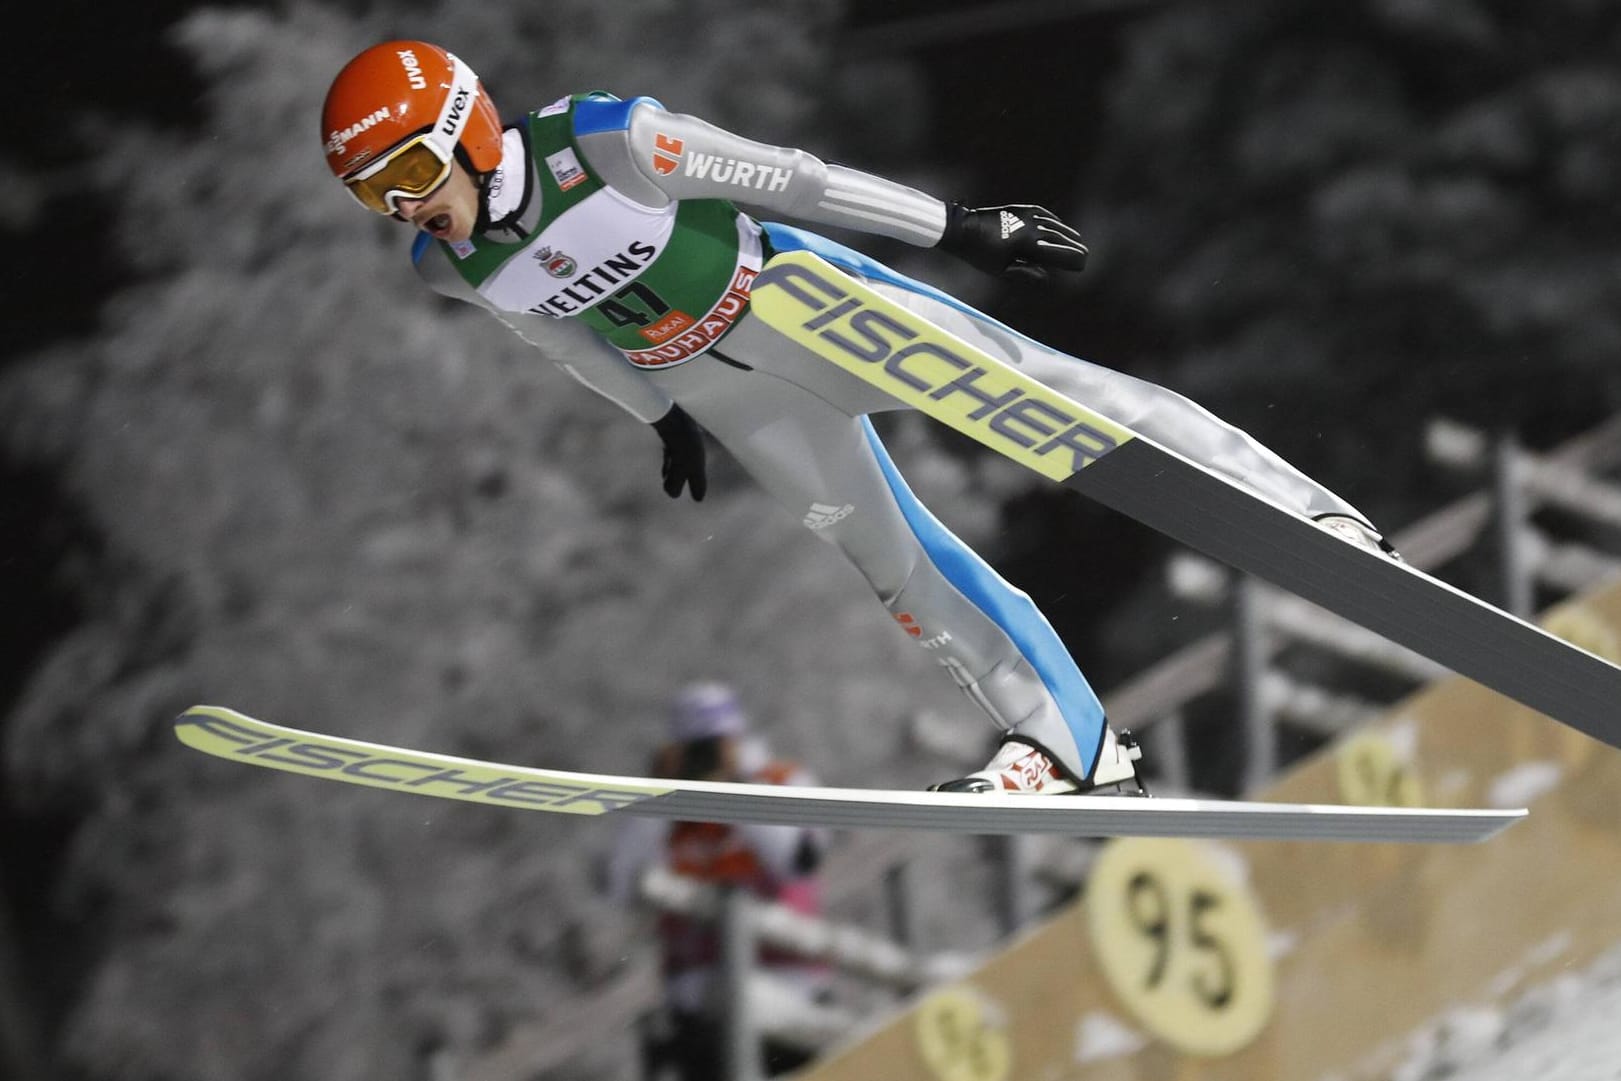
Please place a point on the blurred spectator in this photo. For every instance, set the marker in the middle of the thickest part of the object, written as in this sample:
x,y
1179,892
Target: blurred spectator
x,y
709,740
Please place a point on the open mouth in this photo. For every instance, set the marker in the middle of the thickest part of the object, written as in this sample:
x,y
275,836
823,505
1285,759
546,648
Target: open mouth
x,y
438,225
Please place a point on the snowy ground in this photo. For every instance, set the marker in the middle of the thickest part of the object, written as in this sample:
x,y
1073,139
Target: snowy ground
x,y
1566,1030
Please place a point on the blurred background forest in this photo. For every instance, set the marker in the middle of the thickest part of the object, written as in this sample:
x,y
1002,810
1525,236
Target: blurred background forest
x,y
249,460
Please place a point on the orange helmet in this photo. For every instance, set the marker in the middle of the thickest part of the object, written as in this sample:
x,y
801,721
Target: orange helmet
x,y
398,114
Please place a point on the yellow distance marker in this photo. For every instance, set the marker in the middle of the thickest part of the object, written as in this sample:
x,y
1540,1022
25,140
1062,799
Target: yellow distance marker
x,y
1371,771
1181,940
961,1036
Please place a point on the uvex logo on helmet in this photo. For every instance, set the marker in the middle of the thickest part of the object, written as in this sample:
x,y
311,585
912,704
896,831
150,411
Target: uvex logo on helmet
x,y
413,69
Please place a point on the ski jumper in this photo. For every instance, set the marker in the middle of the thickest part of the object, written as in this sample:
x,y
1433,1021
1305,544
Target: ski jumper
x,y
610,232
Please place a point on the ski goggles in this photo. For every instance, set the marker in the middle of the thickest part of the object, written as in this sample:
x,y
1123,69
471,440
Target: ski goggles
x,y
412,170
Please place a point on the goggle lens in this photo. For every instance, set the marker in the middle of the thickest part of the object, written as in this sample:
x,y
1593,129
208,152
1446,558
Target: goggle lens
x,y
411,171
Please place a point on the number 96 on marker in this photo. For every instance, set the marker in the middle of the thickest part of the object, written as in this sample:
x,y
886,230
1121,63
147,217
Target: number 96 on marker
x,y
1181,941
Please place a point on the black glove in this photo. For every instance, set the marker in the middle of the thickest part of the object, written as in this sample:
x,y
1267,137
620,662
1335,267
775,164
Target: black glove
x,y
683,454
1018,242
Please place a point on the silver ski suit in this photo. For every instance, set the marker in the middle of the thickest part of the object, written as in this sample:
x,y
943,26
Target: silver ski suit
x,y
612,224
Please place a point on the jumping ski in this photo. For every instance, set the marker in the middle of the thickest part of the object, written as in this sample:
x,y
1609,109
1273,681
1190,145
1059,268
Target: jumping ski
x,y
239,738
841,320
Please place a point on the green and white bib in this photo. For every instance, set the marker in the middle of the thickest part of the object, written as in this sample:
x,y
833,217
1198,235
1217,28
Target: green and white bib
x,y
660,284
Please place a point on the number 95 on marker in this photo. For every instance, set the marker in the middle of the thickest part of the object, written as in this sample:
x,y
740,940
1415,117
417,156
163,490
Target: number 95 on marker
x,y
1181,941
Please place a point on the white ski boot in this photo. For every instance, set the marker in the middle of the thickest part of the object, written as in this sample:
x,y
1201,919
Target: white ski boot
x,y
1021,768
1357,532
